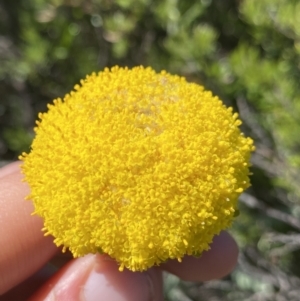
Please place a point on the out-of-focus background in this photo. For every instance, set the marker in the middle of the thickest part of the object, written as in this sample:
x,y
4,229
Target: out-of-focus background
x,y
247,52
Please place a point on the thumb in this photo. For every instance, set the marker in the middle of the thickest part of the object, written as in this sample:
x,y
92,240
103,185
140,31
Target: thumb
x,y
96,277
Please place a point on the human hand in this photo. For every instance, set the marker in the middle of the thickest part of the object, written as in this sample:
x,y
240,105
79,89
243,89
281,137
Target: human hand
x,y
25,253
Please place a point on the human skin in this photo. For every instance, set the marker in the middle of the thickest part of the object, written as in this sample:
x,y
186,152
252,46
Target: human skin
x,y
25,254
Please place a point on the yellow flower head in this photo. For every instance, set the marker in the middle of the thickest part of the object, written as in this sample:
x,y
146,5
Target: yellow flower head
x,y
139,165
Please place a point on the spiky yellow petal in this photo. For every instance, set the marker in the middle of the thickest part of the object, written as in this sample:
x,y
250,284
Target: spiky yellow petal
x,y
140,165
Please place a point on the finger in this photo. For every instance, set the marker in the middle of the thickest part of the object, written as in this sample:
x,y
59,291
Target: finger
x,y
216,263
97,277
9,168
24,249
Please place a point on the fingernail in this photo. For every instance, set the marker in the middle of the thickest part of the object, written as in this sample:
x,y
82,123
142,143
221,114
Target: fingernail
x,y
105,282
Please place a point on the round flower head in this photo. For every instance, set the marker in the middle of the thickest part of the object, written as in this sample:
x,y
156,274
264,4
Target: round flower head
x,y
139,165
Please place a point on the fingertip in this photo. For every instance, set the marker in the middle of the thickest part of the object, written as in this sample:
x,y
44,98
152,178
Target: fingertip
x,y
66,283
216,263
106,282
96,277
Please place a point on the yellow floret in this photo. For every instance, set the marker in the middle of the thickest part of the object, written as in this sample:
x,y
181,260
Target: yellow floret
x,y
139,165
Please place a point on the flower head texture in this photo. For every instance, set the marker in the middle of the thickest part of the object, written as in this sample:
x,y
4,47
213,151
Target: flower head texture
x,y
140,165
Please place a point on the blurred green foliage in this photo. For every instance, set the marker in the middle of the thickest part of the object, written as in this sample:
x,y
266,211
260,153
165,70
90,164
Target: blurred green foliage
x,y
247,52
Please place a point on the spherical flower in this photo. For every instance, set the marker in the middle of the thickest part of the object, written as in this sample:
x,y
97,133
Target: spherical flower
x,y
139,165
